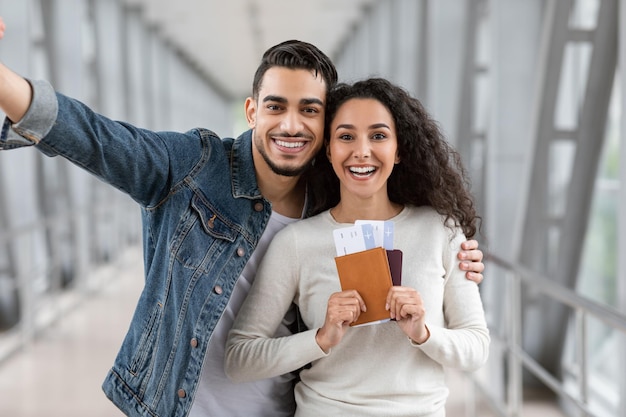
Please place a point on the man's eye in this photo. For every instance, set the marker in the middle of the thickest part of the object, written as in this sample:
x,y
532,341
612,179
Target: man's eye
x,y
310,110
273,107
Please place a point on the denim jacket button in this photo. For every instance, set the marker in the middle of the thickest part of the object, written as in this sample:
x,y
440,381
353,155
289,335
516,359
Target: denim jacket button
x,y
258,206
211,222
181,393
193,342
240,252
218,290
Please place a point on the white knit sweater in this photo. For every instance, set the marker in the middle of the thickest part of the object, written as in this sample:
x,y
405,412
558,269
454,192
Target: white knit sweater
x,y
375,370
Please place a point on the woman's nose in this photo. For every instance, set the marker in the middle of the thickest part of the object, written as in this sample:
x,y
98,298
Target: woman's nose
x,y
362,149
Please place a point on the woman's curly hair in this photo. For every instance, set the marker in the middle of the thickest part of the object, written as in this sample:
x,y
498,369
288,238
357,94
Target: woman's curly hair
x,y
430,172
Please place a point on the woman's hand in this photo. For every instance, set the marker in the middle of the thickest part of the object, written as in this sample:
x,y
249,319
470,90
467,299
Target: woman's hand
x,y
2,27
406,307
343,308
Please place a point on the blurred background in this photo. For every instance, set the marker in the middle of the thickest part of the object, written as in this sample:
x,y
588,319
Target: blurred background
x,y
529,91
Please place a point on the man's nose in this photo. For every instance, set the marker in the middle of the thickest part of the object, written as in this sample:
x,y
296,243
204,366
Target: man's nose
x,y
292,122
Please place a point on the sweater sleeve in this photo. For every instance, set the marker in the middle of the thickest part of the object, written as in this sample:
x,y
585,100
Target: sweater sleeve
x,y
252,351
464,341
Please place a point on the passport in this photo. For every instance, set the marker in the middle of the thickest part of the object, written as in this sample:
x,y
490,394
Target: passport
x,y
367,272
394,257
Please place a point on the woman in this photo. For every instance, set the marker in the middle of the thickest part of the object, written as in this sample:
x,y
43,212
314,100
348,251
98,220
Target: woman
x,y
389,162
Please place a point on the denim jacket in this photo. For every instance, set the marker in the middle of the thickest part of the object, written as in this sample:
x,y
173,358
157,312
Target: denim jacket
x,y
202,215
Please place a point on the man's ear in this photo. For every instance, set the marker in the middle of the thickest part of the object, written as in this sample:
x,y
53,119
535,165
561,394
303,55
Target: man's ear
x,y
250,109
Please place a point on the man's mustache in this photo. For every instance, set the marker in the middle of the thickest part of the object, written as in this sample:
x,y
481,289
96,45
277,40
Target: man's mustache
x,y
292,135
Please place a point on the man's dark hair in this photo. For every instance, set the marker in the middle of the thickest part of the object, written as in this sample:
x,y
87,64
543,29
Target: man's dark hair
x,y
295,54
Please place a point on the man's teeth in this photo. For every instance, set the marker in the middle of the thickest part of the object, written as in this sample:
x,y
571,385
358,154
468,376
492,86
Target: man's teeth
x,y
362,170
286,144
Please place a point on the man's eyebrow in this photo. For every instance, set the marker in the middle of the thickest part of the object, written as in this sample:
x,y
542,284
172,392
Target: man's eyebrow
x,y
312,101
304,101
278,99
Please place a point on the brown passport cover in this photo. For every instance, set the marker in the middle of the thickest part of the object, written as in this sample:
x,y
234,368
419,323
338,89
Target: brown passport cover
x,y
368,273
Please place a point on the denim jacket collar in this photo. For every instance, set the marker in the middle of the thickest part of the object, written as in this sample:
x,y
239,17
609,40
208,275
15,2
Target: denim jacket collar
x,y
242,165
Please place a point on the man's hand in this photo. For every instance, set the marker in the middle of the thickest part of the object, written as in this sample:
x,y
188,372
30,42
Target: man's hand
x,y
472,261
15,91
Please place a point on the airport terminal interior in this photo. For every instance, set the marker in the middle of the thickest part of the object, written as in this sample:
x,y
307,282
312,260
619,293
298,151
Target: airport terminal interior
x,y
529,92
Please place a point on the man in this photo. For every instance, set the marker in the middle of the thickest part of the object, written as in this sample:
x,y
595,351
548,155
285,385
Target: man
x,y
210,206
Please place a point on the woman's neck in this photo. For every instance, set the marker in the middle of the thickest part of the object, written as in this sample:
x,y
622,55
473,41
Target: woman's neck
x,y
350,211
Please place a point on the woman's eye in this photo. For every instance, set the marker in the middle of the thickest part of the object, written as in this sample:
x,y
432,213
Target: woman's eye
x,y
345,136
379,136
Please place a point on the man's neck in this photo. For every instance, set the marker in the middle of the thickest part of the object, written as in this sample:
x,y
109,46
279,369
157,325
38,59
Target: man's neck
x,y
287,194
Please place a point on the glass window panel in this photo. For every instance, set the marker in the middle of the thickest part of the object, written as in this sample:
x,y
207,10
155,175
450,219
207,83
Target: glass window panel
x,y
598,275
572,85
584,14
598,272
562,154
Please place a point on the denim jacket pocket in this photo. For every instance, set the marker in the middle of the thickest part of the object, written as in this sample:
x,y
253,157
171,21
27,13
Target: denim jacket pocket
x,y
145,349
202,227
212,223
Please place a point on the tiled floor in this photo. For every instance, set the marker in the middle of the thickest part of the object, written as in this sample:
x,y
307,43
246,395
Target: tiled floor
x,y
60,373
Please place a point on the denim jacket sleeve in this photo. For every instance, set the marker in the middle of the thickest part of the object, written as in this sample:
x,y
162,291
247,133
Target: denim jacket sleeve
x,y
37,121
144,164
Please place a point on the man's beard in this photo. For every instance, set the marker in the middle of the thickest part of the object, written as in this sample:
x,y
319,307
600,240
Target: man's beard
x,y
284,171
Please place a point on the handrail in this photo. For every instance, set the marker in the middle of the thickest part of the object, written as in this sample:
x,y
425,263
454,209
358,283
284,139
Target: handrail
x,y
567,296
518,358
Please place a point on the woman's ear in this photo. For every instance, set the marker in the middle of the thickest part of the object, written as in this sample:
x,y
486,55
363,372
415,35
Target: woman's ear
x,y
250,110
328,152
